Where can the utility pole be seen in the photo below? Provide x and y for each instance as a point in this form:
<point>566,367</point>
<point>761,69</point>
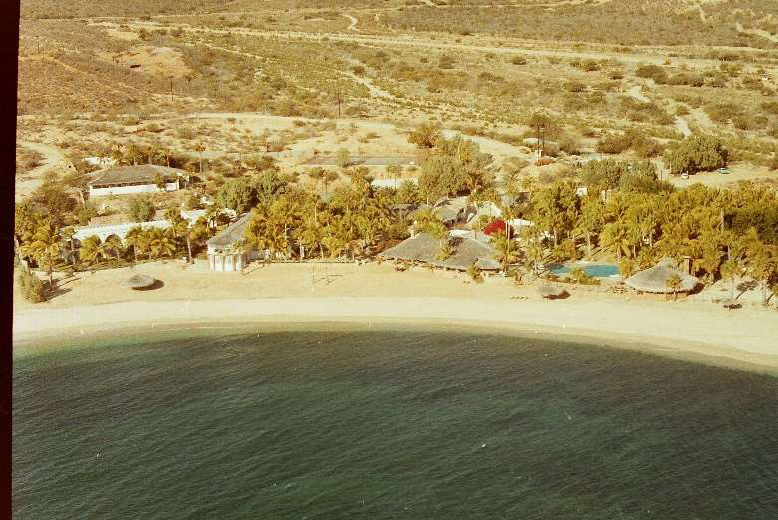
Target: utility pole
<point>171,89</point>
<point>338,104</point>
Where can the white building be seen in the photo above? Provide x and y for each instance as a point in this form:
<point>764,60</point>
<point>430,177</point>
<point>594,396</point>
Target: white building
<point>226,251</point>
<point>123,180</point>
<point>121,230</point>
<point>102,162</point>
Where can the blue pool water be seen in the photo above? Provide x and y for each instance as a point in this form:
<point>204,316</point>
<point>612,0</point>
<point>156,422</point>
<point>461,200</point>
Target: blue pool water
<point>596,270</point>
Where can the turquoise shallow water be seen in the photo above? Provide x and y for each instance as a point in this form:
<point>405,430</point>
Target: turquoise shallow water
<point>386,424</point>
<point>596,270</point>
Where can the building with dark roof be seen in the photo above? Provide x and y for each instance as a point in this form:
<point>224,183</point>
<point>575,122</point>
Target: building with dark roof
<point>124,180</point>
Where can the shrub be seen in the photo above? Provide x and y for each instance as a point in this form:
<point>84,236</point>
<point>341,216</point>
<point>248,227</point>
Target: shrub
<point>141,208</point>
<point>32,288</point>
<point>696,153</point>
<point>519,60</point>
<point>343,157</point>
<point>475,274</point>
<point>655,72</point>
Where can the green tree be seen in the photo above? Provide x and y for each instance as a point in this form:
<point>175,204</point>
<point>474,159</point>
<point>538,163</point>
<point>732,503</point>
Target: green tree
<point>696,153</point>
<point>141,208</point>
<point>239,195</point>
<point>91,251</point>
<point>45,247</point>
<point>425,136</point>
<point>505,250</point>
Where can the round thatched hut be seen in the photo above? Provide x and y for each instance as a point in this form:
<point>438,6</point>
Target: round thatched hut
<point>654,280</point>
<point>551,291</point>
<point>139,281</point>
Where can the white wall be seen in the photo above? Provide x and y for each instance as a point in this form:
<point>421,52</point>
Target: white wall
<point>128,190</point>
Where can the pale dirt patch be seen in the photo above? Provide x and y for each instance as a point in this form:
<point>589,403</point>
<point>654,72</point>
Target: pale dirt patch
<point>122,35</point>
<point>151,60</point>
<point>737,172</point>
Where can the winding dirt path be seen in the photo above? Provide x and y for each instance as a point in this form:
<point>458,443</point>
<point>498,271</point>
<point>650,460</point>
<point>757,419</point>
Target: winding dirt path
<point>756,32</point>
<point>411,41</point>
<point>354,22</point>
<point>53,159</point>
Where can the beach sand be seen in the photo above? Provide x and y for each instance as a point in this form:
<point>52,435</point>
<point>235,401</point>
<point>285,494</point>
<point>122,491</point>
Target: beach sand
<point>377,295</point>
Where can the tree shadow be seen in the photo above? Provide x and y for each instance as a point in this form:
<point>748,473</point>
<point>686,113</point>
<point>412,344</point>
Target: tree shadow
<point>749,285</point>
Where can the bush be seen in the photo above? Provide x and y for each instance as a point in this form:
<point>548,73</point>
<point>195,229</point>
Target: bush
<point>519,60</point>
<point>32,288</point>
<point>475,274</point>
<point>696,153</point>
<point>655,72</point>
<point>141,208</point>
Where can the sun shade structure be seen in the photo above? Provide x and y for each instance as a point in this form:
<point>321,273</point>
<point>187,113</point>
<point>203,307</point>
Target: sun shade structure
<point>139,281</point>
<point>424,248</point>
<point>551,291</point>
<point>654,280</point>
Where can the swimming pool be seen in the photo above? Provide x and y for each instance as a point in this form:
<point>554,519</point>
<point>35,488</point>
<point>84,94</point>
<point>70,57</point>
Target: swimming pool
<point>596,270</point>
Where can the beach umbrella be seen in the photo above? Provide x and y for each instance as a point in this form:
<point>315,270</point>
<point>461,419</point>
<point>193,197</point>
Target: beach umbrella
<point>654,280</point>
<point>551,291</point>
<point>139,281</point>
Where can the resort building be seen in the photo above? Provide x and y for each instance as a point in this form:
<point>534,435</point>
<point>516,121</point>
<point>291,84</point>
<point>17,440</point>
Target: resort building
<point>226,251</point>
<point>123,180</point>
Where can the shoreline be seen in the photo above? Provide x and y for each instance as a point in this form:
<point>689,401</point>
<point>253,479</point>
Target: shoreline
<point>744,344</point>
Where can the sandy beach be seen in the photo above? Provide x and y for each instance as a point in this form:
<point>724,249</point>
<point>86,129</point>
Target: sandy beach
<point>376,294</point>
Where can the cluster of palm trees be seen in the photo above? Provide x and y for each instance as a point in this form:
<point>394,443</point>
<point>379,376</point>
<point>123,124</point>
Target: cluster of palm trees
<point>40,240</point>
<point>355,218</point>
<point>724,232</point>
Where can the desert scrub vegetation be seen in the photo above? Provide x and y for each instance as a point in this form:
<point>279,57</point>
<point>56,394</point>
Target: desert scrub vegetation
<point>660,23</point>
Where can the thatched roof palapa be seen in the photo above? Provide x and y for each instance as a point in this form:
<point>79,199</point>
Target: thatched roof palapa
<point>424,248</point>
<point>654,280</point>
<point>230,235</point>
<point>551,291</point>
<point>139,281</point>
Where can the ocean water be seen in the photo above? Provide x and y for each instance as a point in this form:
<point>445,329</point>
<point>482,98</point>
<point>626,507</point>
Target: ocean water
<point>384,424</point>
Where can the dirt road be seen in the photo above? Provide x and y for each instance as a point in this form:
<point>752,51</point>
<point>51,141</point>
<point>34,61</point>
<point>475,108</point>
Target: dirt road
<point>53,159</point>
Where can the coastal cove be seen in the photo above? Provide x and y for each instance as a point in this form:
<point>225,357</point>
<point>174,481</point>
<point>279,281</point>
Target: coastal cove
<point>331,420</point>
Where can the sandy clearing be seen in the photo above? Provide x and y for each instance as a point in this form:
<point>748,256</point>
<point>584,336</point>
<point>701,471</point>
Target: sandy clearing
<point>737,172</point>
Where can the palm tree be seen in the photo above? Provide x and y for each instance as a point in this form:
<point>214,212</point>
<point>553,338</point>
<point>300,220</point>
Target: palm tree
<point>506,251</point>
<point>730,270</point>
<point>161,244</point>
<point>762,267</point>
<point>114,243</point>
<point>615,237</point>
<point>200,148</point>
<point>67,235</point>
<point>591,220</point>
<point>91,250</point>
<point>45,247</point>
<point>674,283</point>
<point>138,240</point>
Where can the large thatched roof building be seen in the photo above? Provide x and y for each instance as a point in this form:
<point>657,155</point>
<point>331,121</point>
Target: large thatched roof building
<point>424,248</point>
<point>654,280</point>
